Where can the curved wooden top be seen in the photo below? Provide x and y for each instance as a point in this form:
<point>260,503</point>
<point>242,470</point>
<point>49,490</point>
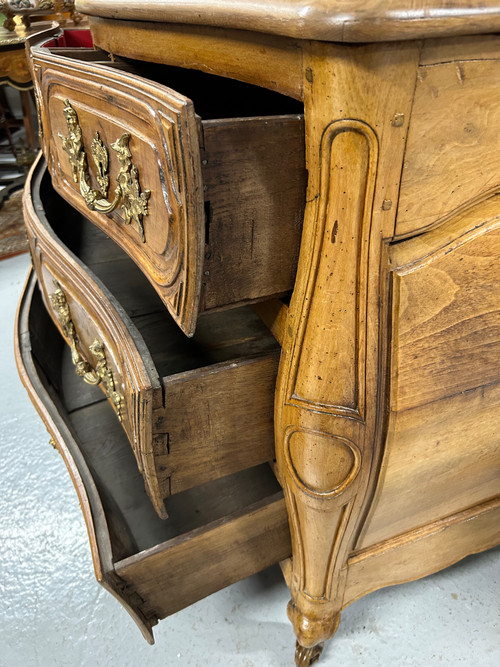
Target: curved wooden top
<point>330,20</point>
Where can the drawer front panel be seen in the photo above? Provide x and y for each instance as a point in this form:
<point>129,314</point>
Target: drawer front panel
<point>106,349</point>
<point>124,151</point>
<point>210,209</point>
<point>96,336</point>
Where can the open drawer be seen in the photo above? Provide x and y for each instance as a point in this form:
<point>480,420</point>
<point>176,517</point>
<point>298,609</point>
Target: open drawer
<point>194,410</point>
<point>203,186</point>
<point>216,534</point>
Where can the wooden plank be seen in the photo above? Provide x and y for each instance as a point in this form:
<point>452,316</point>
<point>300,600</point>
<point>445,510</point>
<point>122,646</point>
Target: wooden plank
<point>273,313</point>
<point>446,319</point>
<point>424,551</point>
<point>450,166</point>
<point>173,576</point>
<point>219,420</point>
<point>255,181</point>
<point>486,47</point>
<point>259,59</point>
<point>218,499</point>
<point>219,337</point>
<point>438,459</point>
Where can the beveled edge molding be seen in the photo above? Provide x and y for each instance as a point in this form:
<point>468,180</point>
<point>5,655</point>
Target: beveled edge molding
<point>417,252</point>
<point>365,189</point>
<point>315,19</point>
<point>464,209</point>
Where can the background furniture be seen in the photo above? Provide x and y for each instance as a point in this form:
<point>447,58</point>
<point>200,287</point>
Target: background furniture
<point>14,72</point>
<point>390,341</point>
<point>28,10</point>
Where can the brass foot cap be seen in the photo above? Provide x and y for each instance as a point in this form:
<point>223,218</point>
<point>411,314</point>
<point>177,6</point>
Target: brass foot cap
<point>307,656</point>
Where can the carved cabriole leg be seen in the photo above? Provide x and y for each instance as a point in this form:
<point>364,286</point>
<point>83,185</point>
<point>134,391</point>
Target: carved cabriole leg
<point>330,396</point>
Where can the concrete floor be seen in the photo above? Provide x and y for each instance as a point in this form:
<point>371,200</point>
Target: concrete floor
<point>54,614</point>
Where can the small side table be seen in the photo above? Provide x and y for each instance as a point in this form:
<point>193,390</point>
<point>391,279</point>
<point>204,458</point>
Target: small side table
<point>14,72</point>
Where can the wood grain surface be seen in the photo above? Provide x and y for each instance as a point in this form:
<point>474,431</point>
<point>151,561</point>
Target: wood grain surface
<point>179,573</point>
<point>422,552</point>
<point>449,167</point>
<point>255,181</point>
<point>439,459</point>
<point>446,313</point>
<point>331,20</point>
<point>245,56</point>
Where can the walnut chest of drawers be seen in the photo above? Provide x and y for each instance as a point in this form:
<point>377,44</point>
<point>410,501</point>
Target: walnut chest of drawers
<point>267,242</point>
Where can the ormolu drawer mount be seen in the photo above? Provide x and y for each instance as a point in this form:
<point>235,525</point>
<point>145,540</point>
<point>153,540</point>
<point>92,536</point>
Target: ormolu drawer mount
<point>127,194</point>
<point>102,372</point>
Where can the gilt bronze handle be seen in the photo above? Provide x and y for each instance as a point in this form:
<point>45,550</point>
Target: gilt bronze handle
<point>102,373</point>
<point>127,193</point>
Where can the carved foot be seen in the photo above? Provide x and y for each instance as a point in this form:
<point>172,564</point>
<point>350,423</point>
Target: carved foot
<point>306,656</point>
<point>312,629</point>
